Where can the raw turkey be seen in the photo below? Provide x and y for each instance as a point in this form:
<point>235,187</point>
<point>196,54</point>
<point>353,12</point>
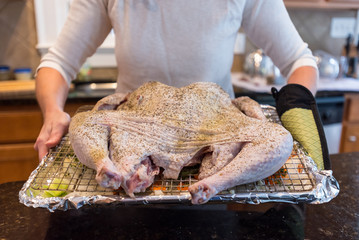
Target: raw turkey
<point>128,138</point>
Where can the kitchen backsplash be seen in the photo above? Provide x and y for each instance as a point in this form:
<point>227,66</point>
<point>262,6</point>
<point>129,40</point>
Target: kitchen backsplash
<point>314,27</point>
<point>18,32</point>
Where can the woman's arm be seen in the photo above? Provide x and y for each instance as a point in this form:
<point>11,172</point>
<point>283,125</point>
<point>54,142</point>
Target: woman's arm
<point>85,29</point>
<point>269,27</point>
<point>305,76</point>
<point>51,98</point>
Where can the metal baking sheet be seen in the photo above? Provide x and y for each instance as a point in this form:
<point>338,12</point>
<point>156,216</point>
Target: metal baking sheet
<point>62,182</point>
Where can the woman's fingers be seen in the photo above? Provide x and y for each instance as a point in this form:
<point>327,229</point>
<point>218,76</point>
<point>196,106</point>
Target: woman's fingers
<point>51,133</point>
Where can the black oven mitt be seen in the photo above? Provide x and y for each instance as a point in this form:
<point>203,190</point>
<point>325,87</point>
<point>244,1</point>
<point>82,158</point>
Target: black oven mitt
<point>298,111</point>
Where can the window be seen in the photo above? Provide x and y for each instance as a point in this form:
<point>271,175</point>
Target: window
<point>50,17</point>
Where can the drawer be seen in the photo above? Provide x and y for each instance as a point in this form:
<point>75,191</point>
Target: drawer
<point>20,126</point>
<point>17,161</point>
<point>350,138</point>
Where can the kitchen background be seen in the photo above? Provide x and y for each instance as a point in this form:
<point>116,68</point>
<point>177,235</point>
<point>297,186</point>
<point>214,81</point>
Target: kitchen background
<point>18,35</point>
<point>23,42</point>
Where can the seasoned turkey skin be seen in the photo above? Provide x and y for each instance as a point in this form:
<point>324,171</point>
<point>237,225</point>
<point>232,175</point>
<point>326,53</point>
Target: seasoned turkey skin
<point>127,138</point>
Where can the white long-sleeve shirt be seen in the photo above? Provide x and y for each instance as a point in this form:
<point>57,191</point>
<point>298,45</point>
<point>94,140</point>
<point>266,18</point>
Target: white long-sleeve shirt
<point>176,42</point>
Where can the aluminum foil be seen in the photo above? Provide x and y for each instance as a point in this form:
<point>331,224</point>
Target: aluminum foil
<point>61,182</point>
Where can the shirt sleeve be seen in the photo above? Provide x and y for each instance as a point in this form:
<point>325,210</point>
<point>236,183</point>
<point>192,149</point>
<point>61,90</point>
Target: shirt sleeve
<point>86,27</point>
<point>268,25</point>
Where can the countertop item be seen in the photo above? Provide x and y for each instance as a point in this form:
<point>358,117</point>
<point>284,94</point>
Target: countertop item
<point>328,66</point>
<point>23,73</point>
<point>245,82</point>
<point>258,64</point>
<point>337,219</point>
<point>4,72</point>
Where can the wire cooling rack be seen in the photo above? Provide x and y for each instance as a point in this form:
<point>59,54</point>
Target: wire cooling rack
<point>62,173</point>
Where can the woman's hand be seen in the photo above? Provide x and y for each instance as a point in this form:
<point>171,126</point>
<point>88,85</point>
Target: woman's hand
<point>55,126</point>
<point>51,94</point>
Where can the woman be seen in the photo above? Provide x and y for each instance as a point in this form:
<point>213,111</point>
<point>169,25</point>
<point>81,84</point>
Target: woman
<point>174,42</point>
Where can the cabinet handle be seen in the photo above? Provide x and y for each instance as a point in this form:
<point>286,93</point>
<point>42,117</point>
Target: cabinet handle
<point>352,138</point>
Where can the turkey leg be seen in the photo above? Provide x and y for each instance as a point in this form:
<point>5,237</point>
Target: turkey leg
<point>259,158</point>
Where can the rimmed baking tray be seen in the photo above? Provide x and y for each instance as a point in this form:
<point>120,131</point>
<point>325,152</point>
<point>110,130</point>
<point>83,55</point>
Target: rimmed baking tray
<point>62,182</point>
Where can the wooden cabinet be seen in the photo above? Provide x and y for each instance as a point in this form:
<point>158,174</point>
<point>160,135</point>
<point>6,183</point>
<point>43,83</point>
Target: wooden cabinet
<point>17,161</point>
<point>343,1</point>
<point>323,4</point>
<point>350,133</point>
<point>19,126</point>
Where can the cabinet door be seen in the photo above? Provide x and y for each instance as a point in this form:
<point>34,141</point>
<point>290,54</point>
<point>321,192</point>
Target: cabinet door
<point>24,125</point>
<point>350,138</point>
<point>19,126</point>
<point>352,108</point>
<point>350,134</point>
<point>17,161</point>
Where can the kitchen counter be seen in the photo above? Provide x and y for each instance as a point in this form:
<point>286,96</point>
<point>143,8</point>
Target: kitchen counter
<point>337,219</point>
<point>20,93</point>
<point>25,90</point>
